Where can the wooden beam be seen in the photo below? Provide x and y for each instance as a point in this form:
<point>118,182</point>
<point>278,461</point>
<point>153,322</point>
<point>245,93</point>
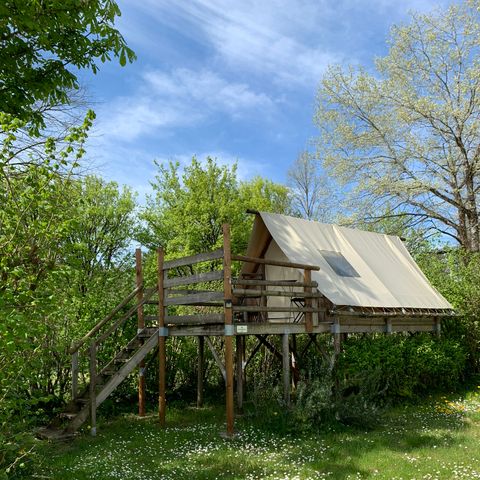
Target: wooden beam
<point>162,353</point>
<point>193,259</point>
<point>274,283</point>
<point>286,369</point>
<point>250,292</point>
<point>147,294</point>
<point>92,397</point>
<point>207,318</point>
<point>216,357</point>
<point>196,299</point>
<point>253,352</point>
<point>240,364</point>
<point>141,326</point>
<point>227,289</point>
<point>193,279</point>
<point>200,370</point>
<point>307,278</point>
<point>260,308</point>
<point>77,345</point>
<point>277,263</point>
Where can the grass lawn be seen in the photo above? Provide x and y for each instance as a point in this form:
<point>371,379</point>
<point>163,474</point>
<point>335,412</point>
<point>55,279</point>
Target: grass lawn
<point>438,440</point>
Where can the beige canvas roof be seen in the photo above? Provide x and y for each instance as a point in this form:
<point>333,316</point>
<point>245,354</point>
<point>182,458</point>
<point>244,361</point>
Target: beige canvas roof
<point>357,268</point>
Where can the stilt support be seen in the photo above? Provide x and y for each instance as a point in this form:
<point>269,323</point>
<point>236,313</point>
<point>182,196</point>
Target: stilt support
<point>93,397</point>
<point>286,369</point>
<point>141,325</point>
<point>240,364</point>
<point>200,370</point>
<point>161,339</point>
<point>229,328</point>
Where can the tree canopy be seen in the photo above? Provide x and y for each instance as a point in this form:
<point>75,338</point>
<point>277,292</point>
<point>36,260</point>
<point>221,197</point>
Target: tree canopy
<point>42,44</point>
<point>406,135</point>
<point>186,212</point>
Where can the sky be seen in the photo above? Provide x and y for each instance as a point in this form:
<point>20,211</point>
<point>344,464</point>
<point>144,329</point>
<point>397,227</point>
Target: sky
<point>235,80</point>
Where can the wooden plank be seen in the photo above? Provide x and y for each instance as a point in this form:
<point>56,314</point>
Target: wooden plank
<point>216,357</point>
<point>200,370</point>
<point>274,283</point>
<point>286,369</point>
<point>162,353</point>
<point>92,397</point>
<point>307,278</point>
<point>124,318</point>
<point>252,329</point>
<point>193,259</point>
<point>239,366</point>
<point>128,368</point>
<point>140,326</point>
<point>196,299</point>
<point>77,345</point>
<point>277,263</point>
<point>199,319</point>
<point>250,292</point>
<point>227,290</point>
<point>192,279</point>
<point>259,308</point>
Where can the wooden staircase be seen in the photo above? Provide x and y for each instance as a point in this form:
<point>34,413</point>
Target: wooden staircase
<point>103,380</point>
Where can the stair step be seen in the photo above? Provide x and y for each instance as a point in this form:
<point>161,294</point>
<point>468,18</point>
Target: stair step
<point>121,360</point>
<point>53,434</point>
<point>68,415</point>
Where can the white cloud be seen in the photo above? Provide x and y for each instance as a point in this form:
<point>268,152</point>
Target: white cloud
<point>262,37</point>
<point>291,43</point>
<point>167,100</point>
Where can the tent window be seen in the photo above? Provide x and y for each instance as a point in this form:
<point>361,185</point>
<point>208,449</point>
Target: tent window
<point>339,264</point>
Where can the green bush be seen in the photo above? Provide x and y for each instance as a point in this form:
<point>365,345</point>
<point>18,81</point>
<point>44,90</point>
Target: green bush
<point>406,365</point>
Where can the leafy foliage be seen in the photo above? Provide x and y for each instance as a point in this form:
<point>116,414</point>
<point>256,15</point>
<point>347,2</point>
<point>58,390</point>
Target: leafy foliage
<point>43,43</point>
<point>406,134</point>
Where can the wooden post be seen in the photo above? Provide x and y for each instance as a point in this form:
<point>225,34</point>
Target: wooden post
<point>93,397</point>
<point>337,336</point>
<point>200,370</point>
<point>438,326</point>
<point>141,326</point>
<point>240,362</point>
<point>295,358</point>
<point>388,326</point>
<point>75,375</point>
<point>286,369</point>
<point>229,328</point>
<point>307,278</point>
<point>162,360</point>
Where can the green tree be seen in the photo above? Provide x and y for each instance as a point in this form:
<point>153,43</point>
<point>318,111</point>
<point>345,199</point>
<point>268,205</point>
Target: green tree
<point>187,211</point>
<point>42,44</point>
<point>406,135</point>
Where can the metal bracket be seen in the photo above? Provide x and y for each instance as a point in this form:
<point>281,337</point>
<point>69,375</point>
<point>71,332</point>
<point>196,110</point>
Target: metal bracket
<point>229,330</point>
<point>141,371</point>
<point>163,332</point>
<point>227,303</point>
<point>139,330</point>
<point>336,328</point>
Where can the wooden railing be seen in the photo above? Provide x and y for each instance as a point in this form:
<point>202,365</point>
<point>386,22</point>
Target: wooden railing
<point>103,330</point>
<point>306,295</point>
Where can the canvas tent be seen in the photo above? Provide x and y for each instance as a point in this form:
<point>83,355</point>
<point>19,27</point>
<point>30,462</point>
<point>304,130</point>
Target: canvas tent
<point>358,269</point>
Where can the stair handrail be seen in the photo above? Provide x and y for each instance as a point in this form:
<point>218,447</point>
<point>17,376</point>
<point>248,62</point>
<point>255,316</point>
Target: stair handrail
<point>79,344</point>
<point>147,295</point>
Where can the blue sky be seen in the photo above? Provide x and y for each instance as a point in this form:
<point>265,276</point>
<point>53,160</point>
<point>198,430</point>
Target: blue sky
<point>235,80</point>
